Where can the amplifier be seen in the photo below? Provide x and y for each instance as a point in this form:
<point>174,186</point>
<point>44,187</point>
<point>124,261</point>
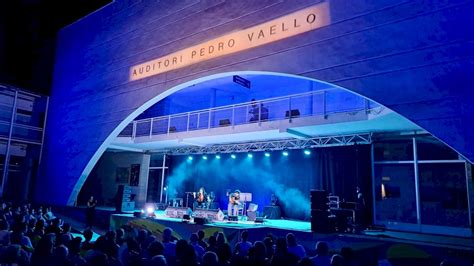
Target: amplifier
<point>177,212</point>
<point>210,215</point>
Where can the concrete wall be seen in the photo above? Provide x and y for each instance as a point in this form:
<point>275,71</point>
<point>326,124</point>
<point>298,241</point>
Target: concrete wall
<point>415,57</point>
<point>102,179</point>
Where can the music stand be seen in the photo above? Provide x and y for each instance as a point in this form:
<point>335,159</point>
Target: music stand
<point>245,197</point>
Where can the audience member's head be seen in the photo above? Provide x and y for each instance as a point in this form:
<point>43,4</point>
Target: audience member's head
<point>194,238</point>
<point>155,248</point>
<point>259,249</point>
<point>322,248</point>
<point>66,228</point>
<point>220,239</point>
<point>167,235</point>
<point>159,260</point>
<point>212,241</point>
<point>291,240</point>
<point>201,234</point>
<point>210,259</point>
<point>244,235</point>
<point>87,235</point>
<point>337,260</point>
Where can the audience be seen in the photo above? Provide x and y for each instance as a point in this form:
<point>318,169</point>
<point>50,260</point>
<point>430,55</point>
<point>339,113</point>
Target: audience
<point>37,237</point>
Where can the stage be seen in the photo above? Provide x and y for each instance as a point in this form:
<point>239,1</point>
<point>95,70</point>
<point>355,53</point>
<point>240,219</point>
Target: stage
<point>366,244</point>
<point>232,229</point>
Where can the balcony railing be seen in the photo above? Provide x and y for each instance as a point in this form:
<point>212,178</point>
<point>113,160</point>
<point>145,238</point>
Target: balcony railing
<point>313,103</point>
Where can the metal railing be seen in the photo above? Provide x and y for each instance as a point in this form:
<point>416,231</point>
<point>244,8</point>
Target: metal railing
<point>322,102</point>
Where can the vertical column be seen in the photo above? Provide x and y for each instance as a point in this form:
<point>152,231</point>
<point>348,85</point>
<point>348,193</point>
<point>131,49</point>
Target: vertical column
<point>163,178</point>
<point>143,180</point>
<point>373,184</point>
<point>7,153</point>
<point>470,193</point>
<point>417,184</point>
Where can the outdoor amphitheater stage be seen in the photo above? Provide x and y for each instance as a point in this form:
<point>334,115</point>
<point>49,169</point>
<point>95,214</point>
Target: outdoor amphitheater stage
<point>231,229</point>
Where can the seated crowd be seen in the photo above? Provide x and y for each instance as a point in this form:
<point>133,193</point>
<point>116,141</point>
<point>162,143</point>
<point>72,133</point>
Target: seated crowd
<point>31,236</point>
<point>35,237</point>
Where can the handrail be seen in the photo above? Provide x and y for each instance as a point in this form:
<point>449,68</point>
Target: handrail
<point>257,111</point>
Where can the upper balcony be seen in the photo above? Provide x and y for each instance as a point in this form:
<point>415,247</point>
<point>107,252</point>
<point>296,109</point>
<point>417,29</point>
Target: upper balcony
<point>303,115</point>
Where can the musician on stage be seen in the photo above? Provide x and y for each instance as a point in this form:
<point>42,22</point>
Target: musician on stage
<point>201,198</point>
<point>234,203</point>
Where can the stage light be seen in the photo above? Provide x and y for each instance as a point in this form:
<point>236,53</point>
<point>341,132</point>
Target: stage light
<point>233,156</point>
<point>307,152</point>
<point>190,158</point>
<point>150,210</point>
<point>218,157</point>
<point>267,154</point>
<point>204,157</point>
<point>249,155</point>
<point>285,153</point>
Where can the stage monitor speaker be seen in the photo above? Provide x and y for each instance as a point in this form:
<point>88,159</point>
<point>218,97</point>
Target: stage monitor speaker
<point>272,212</point>
<point>252,216</point>
<point>319,200</point>
<point>178,212</point>
<point>321,222</point>
<point>137,214</point>
<point>211,215</point>
<point>292,113</point>
<point>199,220</point>
<point>259,220</point>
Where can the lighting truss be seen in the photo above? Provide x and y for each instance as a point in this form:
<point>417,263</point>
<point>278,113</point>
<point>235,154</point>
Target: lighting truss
<point>274,145</point>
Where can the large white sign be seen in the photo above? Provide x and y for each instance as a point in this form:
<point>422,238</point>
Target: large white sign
<point>290,25</point>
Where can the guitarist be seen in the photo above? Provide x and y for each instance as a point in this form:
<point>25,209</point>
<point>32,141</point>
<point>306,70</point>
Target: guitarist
<point>234,203</point>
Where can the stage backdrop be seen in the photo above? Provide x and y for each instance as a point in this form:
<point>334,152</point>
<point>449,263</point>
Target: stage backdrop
<point>415,57</point>
<point>338,170</point>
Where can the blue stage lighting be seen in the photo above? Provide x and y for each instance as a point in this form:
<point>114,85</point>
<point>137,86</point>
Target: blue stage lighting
<point>190,158</point>
<point>233,156</point>
<point>249,155</point>
<point>204,157</point>
<point>307,152</point>
<point>267,154</point>
<point>218,157</point>
<point>285,153</point>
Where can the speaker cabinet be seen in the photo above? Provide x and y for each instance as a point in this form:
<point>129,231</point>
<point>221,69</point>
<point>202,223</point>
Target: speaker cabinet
<point>199,220</point>
<point>319,200</point>
<point>211,215</point>
<point>177,212</point>
<point>322,222</point>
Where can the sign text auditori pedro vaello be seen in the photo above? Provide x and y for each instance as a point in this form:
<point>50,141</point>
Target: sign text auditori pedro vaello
<point>290,25</point>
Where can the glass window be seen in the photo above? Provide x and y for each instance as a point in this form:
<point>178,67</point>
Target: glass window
<point>443,194</point>
<point>394,150</point>
<point>429,148</point>
<point>154,186</point>
<point>395,193</point>
<point>156,160</point>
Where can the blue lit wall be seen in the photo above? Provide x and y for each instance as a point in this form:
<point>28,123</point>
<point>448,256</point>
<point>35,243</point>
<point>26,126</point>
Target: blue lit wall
<point>415,57</point>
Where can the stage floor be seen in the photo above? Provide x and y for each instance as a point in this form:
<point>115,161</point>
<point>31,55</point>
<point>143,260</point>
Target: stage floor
<point>295,225</point>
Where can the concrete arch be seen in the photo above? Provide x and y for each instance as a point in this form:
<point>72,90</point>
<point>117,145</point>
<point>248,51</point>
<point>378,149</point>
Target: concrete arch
<point>103,147</point>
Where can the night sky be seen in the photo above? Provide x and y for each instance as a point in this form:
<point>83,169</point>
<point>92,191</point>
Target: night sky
<point>28,35</point>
